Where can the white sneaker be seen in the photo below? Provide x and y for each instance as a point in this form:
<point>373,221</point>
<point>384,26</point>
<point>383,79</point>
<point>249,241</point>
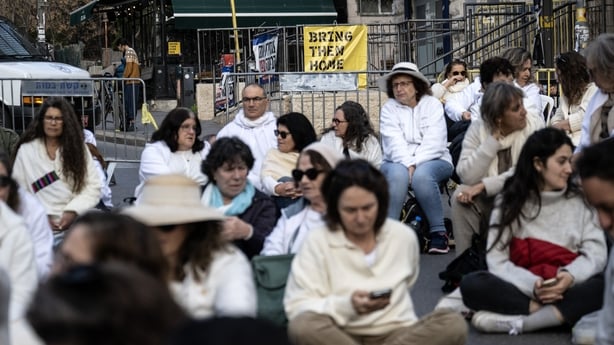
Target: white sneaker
<point>453,301</point>
<point>489,322</point>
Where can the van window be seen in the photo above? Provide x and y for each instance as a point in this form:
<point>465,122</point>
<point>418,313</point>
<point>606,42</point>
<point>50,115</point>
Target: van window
<point>13,45</point>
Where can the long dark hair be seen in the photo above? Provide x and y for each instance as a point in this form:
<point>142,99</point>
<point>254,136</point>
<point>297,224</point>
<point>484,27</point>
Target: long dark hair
<point>526,184</point>
<point>72,146</point>
<point>169,129</point>
<point>300,128</point>
<point>202,242</point>
<point>573,76</point>
<point>359,125</point>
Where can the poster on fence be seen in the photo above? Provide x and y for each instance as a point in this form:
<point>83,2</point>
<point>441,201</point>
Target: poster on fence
<point>265,53</point>
<point>336,48</point>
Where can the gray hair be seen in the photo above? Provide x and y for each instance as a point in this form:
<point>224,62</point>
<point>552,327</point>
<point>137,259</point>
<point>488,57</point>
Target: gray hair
<point>600,55</point>
<point>497,97</point>
<point>517,57</point>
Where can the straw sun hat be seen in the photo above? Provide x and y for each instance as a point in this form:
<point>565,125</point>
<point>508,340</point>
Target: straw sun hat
<point>169,200</point>
<point>402,68</point>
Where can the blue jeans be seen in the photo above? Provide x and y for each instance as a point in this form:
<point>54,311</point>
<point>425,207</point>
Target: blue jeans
<point>425,184</point>
<point>131,97</point>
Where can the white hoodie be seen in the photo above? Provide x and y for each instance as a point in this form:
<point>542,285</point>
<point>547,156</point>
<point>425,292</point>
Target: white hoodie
<point>257,134</point>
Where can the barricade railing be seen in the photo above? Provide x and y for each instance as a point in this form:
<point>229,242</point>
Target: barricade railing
<point>98,102</point>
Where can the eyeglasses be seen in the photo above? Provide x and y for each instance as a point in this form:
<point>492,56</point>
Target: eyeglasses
<point>166,228</point>
<point>5,181</point>
<point>311,173</point>
<point>463,73</point>
<point>282,134</point>
<point>404,83</point>
<point>337,122</point>
<point>186,128</point>
<point>253,99</point>
<point>52,119</point>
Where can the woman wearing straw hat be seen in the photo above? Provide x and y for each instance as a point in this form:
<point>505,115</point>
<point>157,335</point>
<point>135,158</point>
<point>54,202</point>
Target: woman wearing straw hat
<point>208,276</point>
<point>414,141</point>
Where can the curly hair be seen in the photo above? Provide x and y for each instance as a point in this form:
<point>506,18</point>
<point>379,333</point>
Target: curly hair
<point>118,237</point>
<point>349,173</point>
<point>359,125</point>
<point>227,150</point>
<point>72,147</point>
<point>300,128</point>
<point>572,75</point>
<point>517,57</point>
<point>493,67</point>
<point>168,131</point>
<point>497,98</point>
<point>202,241</point>
<point>13,199</point>
<point>527,183</point>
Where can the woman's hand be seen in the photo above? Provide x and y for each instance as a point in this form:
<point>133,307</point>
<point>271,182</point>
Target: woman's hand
<point>365,305</point>
<point>467,194</point>
<point>564,125</point>
<point>411,170</point>
<point>236,229</point>
<point>287,189</point>
<point>551,294</point>
<point>62,223</point>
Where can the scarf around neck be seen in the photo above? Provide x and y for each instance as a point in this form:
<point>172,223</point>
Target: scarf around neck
<point>237,206</point>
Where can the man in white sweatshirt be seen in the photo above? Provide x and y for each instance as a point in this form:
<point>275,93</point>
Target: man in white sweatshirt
<point>255,126</point>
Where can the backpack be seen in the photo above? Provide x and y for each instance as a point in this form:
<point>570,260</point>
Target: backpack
<point>410,210</point>
<point>471,260</point>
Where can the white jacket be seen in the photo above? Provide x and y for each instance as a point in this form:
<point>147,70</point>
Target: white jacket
<point>227,289</point>
<point>371,150</point>
<point>574,113</point>
<point>411,136</point>
<point>33,162</point>
<point>17,259</point>
<point>258,135</point>
<point>591,125</point>
<point>157,159</point>
<point>35,216</point>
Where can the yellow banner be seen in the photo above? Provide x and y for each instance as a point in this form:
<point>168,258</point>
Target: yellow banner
<point>336,48</point>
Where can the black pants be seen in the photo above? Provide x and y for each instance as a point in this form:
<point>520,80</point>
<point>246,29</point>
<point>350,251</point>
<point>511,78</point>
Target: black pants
<point>483,290</point>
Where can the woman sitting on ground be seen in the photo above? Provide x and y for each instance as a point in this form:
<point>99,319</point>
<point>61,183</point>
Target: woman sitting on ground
<point>577,91</point>
<point>297,220</point>
<point>294,132</point>
<point>546,252</point>
<point>490,151</point>
<point>353,135</point>
<point>175,148</point>
<point>208,276</point>
<point>350,281</point>
<point>53,163</point>
<point>250,214</point>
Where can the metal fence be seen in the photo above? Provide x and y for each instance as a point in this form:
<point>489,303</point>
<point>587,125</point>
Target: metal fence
<point>98,102</point>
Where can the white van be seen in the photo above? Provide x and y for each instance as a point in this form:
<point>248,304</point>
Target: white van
<point>23,69</point>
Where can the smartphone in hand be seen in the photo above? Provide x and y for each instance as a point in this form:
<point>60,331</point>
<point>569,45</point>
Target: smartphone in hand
<point>384,293</point>
<point>550,282</point>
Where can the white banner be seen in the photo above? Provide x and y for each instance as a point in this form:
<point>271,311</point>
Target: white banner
<point>265,52</point>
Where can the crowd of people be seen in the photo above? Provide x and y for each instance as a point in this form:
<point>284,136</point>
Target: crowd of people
<point>538,190</point>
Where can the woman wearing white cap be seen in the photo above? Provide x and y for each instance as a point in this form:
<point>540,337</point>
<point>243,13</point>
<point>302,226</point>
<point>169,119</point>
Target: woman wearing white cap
<point>298,219</point>
<point>208,276</point>
<point>414,142</point>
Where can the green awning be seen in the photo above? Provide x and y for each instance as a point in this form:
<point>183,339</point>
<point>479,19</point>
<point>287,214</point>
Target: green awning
<point>202,14</point>
<point>82,13</point>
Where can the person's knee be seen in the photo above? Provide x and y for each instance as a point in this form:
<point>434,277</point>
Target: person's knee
<point>472,286</point>
<point>452,327</point>
<point>305,326</point>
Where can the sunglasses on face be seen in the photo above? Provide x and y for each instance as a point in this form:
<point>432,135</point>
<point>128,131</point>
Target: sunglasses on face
<point>281,134</point>
<point>311,173</point>
<point>463,73</point>
<point>5,181</point>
